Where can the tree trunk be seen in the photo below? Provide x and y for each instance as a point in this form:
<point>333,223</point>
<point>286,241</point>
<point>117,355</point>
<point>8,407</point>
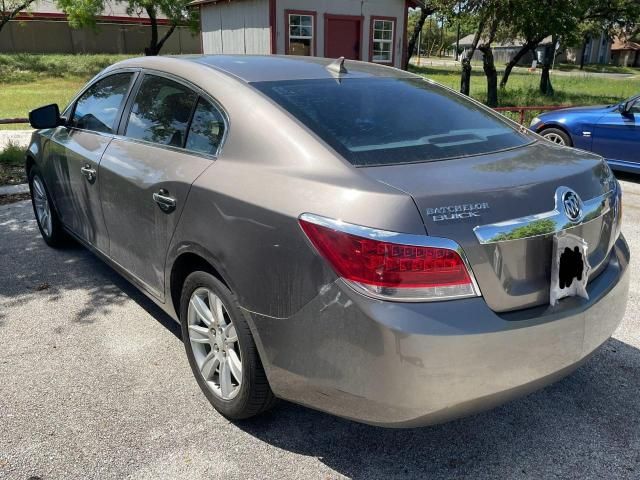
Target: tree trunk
<point>411,47</point>
<point>489,66</point>
<point>585,41</point>
<point>529,46</point>
<point>545,79</point>
<point>491,73</point>
<point>152,49</point>
<point>465,75</point>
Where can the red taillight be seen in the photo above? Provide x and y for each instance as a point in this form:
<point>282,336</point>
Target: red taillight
<point>391,269</point>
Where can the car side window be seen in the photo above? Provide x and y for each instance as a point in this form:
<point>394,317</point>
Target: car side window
<point>161,111</point>
<point>207,129</point>
<point>98,107</point>
<point>636,107</point>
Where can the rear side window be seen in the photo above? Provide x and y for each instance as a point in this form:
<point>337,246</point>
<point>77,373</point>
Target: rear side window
<point>207,129</point>
<point>97,108</point>
<point>161,111</point>
<point>385,121</point>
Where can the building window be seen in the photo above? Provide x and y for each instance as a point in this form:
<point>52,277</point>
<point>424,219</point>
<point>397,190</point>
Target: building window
<point>300,33</point>
<point>382,39</point>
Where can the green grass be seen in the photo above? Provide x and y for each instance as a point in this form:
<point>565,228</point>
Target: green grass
<point>595,68</point>
<point>12,165</point>
<point>522,88</point>
<point>12,156</point>
<point>29,81</point>
<point>26,67</point>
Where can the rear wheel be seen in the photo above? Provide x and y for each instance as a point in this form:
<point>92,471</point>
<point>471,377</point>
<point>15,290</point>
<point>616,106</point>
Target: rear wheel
<point>221,350</point>
<point>557,136</point>
<point>48,222</point>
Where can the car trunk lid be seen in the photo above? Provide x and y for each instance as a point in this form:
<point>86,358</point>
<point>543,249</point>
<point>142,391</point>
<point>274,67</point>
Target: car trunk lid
<point>459,198</point>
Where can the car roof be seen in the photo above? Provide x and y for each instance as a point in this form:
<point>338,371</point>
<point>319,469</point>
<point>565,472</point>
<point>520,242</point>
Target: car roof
<point>262,68</point>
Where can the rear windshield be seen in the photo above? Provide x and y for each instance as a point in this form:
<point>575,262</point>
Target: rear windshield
<point>385,121</point>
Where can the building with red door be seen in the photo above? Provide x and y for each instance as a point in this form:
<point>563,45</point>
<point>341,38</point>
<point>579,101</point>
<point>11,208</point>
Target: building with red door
<point>370,30</point>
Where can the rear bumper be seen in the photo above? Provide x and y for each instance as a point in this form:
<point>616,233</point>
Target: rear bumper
<point>405,365</point>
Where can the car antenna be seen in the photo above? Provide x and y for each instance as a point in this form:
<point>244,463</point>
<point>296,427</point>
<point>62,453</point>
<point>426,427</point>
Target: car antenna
<point>337,66</point>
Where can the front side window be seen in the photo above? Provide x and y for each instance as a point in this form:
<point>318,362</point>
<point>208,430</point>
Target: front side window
<point>384,121</point>
<point>161,111</point>
<point>301,31</point>
<point>97,109</point>
<point>207,129</point>
<point>383,35</point>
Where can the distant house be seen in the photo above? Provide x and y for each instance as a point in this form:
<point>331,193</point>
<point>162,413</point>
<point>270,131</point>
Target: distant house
<point>43,28</point>
<point>597,50</point>
<point>625,54</point>
<point>372,30</point>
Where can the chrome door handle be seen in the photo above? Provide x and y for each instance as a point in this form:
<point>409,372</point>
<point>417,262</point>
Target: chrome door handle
<point>89,173</point>
<point>164,201</point>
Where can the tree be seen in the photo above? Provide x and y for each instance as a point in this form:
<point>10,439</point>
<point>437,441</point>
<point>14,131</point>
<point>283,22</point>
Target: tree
<point>83,13</point>
<point>568,21</point>
<point>9,9</point>
<point>425,11</point>
<point>488,64</point>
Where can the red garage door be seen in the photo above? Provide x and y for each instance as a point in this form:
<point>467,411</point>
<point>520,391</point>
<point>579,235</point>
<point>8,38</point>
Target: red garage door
<point>343,36</point>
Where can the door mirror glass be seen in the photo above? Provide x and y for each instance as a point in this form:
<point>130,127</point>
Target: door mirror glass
<point>45,117</point>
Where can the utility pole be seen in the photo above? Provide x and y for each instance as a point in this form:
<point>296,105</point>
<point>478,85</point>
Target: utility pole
<point>441,34</point>
<point>458,35</point>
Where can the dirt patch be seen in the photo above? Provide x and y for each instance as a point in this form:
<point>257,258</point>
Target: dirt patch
<point>18,197</point>
<point>12,174</point>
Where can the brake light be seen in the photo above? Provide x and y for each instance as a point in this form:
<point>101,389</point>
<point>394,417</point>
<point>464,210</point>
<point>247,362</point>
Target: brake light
<point>391,265</point>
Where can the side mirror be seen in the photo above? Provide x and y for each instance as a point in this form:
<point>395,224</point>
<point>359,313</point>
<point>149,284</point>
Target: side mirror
<point>627,108</point>
<point>46,117</point>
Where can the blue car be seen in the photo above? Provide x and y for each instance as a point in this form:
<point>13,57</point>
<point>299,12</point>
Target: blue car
<point>612,131</point>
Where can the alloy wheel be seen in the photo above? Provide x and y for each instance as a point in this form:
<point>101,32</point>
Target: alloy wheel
<point>41,202</point>
<point>214,342</point>
<point>555,138</point>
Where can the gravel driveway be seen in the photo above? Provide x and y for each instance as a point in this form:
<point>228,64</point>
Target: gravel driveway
<point>94,383</point>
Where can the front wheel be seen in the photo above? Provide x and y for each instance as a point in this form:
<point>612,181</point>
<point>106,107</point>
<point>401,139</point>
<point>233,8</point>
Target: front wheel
<point>221,350</point>
<point>557,136</point>
<point>48,222</point>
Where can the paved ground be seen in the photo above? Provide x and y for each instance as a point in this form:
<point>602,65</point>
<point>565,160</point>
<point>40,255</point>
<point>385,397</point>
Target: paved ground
<point>94,384</point>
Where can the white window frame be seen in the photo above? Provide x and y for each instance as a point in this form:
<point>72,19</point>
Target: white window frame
<point>389,42</point>
<point>302,37</point>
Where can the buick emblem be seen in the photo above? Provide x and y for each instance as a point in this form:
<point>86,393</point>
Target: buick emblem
<point>572,205</point>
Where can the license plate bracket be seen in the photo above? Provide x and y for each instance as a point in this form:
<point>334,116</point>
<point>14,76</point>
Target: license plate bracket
<point>569,268</point>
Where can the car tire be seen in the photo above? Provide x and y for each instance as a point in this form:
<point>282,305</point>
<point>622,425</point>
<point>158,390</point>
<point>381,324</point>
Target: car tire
<point>47,218</point>
<point>212,353</point>
<point>557,136</point>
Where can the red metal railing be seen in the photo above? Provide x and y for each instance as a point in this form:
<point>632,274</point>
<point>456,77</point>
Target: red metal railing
<point>6,121</point>
<point>522,110</point>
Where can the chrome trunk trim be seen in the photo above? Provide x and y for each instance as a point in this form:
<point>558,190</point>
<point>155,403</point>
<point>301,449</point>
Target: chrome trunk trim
<point>546,223</point>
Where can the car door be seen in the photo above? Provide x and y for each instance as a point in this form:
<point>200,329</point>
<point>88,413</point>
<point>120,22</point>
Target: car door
<point>617,135</point>
<point>75,151</point>
<point>170,135</point>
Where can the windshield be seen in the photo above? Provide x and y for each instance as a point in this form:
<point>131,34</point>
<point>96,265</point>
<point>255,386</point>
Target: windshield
<point>385,121</point>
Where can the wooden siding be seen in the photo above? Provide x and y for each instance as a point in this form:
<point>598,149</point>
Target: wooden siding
<point>236,27</point>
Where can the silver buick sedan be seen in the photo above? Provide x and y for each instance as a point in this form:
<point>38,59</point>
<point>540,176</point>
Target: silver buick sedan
<point>342,235</point>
